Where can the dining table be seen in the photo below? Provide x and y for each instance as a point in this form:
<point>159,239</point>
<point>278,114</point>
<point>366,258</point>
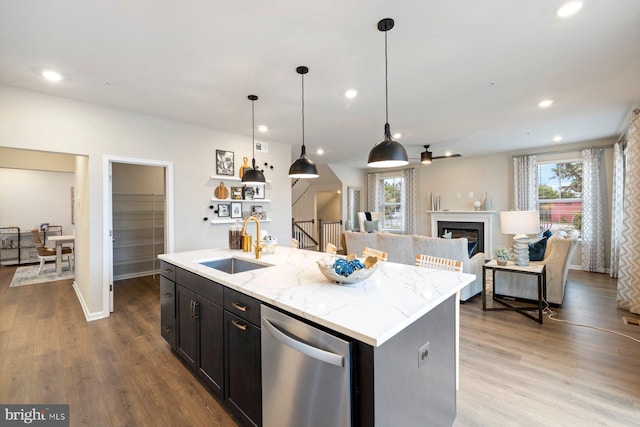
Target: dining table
<point>60,240</point>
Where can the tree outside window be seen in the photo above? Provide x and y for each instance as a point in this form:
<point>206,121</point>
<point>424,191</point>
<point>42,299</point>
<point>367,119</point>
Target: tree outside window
<point>392,202</point>
<point>560,195</point>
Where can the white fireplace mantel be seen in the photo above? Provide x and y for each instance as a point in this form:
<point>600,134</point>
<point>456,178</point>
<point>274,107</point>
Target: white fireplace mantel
<point>486,217</point>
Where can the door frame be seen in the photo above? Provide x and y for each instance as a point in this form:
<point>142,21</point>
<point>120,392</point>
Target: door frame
<point>107,233</point>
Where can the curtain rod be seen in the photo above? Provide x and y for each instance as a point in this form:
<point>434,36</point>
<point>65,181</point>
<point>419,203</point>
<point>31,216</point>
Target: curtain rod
<point>566,150</point>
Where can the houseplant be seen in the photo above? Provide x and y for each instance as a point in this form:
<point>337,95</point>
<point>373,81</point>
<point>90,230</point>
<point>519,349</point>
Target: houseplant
<point>503,254</point>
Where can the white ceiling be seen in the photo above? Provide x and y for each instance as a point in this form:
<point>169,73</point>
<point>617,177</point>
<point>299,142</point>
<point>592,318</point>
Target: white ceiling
<point>464,75</point>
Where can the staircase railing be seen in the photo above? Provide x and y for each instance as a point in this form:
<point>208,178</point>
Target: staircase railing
<point>330,232</point>
<point>302,231</point>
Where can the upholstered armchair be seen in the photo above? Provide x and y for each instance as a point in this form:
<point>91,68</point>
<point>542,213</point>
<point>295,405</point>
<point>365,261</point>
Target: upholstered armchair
<point>557,258</point>
<point>374,216</point>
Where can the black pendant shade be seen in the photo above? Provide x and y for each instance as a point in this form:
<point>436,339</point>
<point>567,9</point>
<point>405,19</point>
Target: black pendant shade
<point>388,153</point>
<point>304,166</point>
<point>253,175</point>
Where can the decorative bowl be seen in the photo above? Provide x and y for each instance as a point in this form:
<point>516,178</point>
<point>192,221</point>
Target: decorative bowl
<point>326,268</point>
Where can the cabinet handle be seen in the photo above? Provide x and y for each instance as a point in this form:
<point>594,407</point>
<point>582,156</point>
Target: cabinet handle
<point>239,325</point>
<point>196,310</point>
<point>239,306</point>
<point>167,270</point>
<point>168,295</point>
<point>167,328</point>
<point>191,310</point>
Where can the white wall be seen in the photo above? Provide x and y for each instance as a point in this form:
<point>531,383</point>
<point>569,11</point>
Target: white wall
<point>29,198</point>
<point>32,120</point>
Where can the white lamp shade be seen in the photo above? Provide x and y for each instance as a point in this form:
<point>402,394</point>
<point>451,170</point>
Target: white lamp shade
<point>519,222</point>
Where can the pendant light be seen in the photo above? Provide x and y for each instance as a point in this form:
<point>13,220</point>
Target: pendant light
<point>387,153</point>
<point>253,175</point>
<point>304,166</point>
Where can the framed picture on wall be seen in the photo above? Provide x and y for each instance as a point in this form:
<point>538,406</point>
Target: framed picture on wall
<point>224,162</point>
<point>258,212</point>
<point>257,191</point>
<point>236,209</point>
<point>224,210</point>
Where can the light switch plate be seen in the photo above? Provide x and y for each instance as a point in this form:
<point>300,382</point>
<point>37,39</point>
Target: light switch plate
<point>423,354</point>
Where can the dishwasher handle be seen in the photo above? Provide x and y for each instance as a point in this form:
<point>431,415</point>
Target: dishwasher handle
<point>316,353</point>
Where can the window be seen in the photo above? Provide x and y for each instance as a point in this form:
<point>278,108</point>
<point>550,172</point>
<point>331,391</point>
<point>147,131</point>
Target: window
<point>560,195</point>
<point>391,200</point>
<point>394,195</point>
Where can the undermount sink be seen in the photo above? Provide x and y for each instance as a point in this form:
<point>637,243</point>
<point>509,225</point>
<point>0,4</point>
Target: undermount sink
<point>232,265</point>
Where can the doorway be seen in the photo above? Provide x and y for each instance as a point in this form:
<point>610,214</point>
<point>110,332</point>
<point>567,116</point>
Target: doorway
<point>139,215</point>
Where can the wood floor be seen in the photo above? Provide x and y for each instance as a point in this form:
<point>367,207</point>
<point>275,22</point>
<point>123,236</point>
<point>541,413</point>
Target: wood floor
<point>119,372</point>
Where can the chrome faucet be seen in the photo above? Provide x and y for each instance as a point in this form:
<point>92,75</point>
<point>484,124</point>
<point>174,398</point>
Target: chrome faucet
<point>246,239</point>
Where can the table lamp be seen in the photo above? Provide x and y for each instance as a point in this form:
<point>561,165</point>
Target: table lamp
<point>520,223</point>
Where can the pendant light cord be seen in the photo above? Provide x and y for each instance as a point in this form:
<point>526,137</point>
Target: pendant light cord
<point>253,135</point>
<point>386,78</point>
<point>303,148</point>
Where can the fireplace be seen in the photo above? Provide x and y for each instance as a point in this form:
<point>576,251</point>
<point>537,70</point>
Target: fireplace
<point>466,224</point>
<point>473,231</point>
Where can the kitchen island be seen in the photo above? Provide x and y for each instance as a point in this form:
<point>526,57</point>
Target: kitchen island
<point>401,322</point>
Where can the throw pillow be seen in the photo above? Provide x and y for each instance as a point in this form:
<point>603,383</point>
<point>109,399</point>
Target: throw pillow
<point>536,250</point>
<point>371,226</point>
<point>446,235</point>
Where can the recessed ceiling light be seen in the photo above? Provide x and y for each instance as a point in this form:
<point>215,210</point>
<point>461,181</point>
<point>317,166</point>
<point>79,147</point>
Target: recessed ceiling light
<point>52,76</point>
<point>320,151</point>
<point>545,103</point>
<point>397,135</point>
<point>568,9</point>
<point>262,128</point>
<point>557,138</point>
<point>351,93</point>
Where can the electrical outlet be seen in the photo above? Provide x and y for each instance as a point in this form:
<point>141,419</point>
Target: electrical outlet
<point>458,195</point>
<point>423,354</point>
<point>470,194</point>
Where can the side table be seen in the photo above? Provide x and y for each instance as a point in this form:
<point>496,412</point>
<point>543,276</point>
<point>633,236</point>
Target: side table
<point>533,269</point>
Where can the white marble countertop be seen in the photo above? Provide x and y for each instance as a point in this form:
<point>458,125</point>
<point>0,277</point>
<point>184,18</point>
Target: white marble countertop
<point>371,311</point>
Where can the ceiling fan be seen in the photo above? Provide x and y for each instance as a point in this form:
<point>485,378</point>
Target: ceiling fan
<point>427,156</point>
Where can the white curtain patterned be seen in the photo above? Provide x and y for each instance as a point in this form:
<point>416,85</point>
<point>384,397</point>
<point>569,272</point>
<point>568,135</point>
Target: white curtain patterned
<point>617,213</point>
<point>629,265</point>
<point>593,187</point>
<point>410,201</point>
<point>373,192</point>
<point>525,183</point>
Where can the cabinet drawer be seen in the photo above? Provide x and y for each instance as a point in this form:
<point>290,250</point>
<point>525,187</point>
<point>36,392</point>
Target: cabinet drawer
<point>204,287</point>
<point>168,311</point>
<point>243,306</point>
<point>168,270</point>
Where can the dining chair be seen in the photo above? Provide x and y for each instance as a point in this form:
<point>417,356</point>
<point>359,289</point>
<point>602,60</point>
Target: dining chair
<point>46,254</point>
<point>429,261</point>
<point>382,256</point>
<point>438,263</point>
<point>330,248</point>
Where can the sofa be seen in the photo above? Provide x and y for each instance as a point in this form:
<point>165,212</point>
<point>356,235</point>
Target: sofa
<point>404,248</point>
<point>557,257</point>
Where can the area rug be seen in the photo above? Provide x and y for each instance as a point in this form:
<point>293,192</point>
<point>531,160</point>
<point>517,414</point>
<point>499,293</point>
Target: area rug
<point>27,275</point>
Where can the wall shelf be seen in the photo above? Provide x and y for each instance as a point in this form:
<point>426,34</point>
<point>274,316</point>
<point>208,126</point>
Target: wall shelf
<point>256,201</point>
<point>227,178</point>
<point>233,220</point>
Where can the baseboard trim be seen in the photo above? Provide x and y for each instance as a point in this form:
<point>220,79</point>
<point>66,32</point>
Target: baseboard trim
<point>87,314</point>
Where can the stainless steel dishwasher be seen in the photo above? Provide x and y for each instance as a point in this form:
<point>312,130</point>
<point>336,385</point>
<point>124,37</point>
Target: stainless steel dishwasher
<point>306,374</point>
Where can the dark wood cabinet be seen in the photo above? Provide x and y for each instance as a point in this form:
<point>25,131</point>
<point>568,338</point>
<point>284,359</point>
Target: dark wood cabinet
<point>168,311</point>
<point>216,332</point>
<point>168,303</point>
<point>243,391</point>
<point>200,328</point>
